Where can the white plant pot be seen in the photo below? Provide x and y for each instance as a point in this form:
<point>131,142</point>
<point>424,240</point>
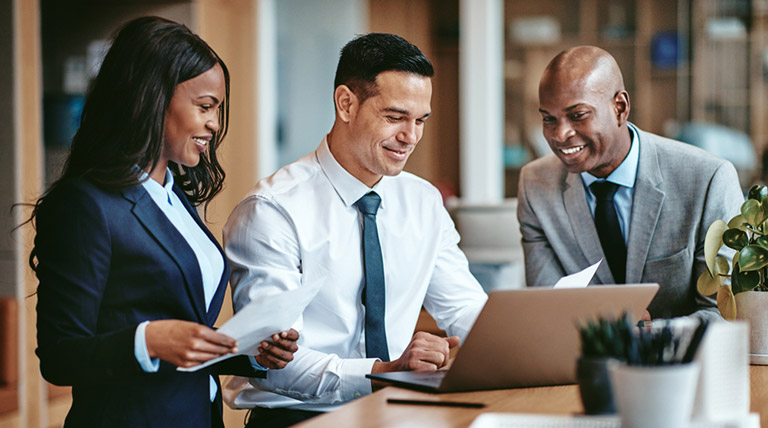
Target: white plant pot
<point>658,397</point>
<point>753,307</point>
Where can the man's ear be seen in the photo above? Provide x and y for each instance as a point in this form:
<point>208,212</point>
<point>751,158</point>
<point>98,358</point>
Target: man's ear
<point>621,107</point>
<point>346,103</point>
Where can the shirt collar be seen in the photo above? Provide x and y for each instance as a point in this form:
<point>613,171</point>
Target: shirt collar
<point>626,173</point>
<point>159,192</point>
<point>349,188</point>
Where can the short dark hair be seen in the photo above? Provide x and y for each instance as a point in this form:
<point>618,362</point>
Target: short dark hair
<point>368,55</point>
<point>123,119</point>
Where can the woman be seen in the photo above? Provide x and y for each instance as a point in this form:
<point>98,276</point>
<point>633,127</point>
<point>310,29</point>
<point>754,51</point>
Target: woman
<point>130,279</point>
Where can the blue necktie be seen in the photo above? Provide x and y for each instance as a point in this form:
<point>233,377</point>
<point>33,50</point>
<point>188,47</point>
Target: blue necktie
<point>373,292</point>
<point>609,230</point>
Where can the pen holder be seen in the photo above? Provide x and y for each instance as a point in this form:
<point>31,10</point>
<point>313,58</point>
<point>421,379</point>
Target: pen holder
<point>654,396</point>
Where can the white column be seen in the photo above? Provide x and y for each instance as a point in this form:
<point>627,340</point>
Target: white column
<point>266,105</point>
<point>481,110</point>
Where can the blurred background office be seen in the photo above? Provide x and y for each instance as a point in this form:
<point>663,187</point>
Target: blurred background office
<point>696,70</point>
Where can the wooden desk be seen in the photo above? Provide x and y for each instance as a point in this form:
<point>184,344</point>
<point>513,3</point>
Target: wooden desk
<point>373,411</point>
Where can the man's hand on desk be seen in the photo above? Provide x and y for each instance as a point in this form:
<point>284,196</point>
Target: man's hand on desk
<point>426,352</point>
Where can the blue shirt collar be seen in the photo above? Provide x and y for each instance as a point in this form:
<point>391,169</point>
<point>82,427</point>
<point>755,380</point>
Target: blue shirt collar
<point>626,173</point>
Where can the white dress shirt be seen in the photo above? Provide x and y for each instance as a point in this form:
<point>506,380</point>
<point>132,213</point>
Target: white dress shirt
<point>300,227</point>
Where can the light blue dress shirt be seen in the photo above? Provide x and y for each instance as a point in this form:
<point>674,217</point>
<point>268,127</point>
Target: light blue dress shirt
<point>624,175</point>
<point>208,257</point>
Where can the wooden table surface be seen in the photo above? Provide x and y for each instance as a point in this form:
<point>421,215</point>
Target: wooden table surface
<point>373,411</point>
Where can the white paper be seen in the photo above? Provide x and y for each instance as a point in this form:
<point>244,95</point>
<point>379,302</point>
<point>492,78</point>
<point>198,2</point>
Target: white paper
<point>509,420</point>
<point>260,319</point>
<point>723,390</point>
<point>579,279</point>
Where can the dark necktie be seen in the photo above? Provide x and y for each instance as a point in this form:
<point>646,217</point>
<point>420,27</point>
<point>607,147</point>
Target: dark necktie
<point>607,224</point>
<point>373,292</point>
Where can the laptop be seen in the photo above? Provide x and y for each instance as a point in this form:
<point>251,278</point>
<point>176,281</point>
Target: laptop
<point>527,337</point>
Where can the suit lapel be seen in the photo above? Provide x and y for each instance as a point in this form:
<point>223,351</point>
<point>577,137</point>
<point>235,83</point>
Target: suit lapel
<point>168,237</point>
<point>646,207</point>
<point>218,297</point>
<point>584,227</point>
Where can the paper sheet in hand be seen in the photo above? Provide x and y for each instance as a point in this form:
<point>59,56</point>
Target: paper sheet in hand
<point>260,319</point>
<point>579,279</point>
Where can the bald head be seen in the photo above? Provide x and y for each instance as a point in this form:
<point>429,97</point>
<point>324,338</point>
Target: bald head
<point>584,109</point>
<point>587,66</point>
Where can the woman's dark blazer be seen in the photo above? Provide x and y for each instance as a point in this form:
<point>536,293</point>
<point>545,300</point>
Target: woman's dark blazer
<point>106,262</point>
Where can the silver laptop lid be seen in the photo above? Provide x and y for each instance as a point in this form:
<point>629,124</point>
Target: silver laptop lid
<point>529,337</point>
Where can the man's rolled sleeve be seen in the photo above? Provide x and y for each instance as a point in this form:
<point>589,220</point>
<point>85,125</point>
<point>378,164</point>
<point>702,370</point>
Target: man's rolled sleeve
<point>354,384</point>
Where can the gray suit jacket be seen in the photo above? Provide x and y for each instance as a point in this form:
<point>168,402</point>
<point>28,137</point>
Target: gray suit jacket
<point>679,191</point>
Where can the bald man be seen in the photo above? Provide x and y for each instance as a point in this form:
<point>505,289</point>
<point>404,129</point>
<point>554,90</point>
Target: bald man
<point>664,195</point>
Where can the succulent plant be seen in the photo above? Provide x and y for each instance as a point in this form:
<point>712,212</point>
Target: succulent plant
<point>604,338</point>
<point>747,233</point>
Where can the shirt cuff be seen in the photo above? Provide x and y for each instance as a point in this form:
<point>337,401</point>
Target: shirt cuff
<point>212,388</point>
<point>149,365</point>
<point>256,365</point>
<point>354,384</point>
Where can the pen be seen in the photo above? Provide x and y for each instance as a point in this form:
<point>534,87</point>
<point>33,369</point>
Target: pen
<point>435,403</point>
<point>650,323</point>
<point>698,334</point>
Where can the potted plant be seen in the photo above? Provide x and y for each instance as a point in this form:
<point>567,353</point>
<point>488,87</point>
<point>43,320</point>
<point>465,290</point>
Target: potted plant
<point>745,296</point>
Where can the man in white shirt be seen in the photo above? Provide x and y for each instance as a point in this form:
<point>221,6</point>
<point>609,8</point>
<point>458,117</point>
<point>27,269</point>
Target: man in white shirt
<point>301,227</point>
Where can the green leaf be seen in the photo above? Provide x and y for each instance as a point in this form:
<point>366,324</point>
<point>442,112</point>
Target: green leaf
<point>707,284</point>
<point>738,222</point>
<point>753,257</point>
<point>712,243</point>
<point>735,238</point>
<point>762,241</point>
<point>721,266</point>
<point>758,192</point>
<point>726,303</point>
<point>764,207</point>
<point>744,281</point>
<point>753,211</point>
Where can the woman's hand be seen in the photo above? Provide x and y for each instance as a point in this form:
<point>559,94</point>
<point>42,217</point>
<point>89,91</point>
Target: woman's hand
<point>185,343</point>
<point>280,352</point>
